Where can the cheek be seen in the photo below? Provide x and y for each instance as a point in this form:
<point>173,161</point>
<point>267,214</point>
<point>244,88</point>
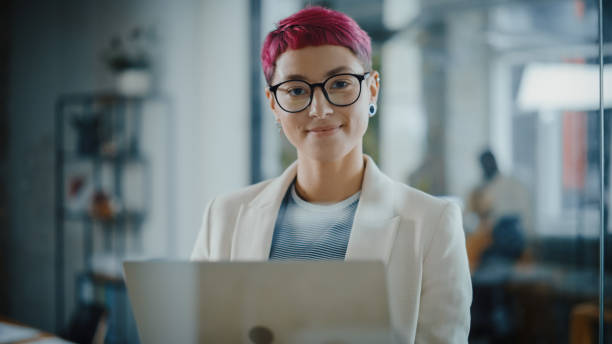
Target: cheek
<point>293,129</point>
<point>363,125</point>
<point>359,120</point>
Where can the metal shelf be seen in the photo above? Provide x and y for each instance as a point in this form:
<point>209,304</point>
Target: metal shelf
<point>129,215</point>
<point>74,157</point>
<point>111,119</point>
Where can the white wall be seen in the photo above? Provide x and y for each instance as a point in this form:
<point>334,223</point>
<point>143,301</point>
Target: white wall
<point>403,123</point>
<point>467,99</point>
<point>207,74</point>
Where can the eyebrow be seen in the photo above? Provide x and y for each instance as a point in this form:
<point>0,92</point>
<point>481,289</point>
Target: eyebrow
<point>337,70</point>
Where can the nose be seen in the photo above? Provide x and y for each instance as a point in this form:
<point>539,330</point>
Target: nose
<point>319,107</point>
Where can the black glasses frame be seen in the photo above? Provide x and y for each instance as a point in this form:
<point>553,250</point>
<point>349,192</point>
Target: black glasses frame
<point>359,77</point>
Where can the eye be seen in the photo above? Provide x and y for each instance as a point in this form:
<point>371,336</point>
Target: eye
<point>340,84</point>
<point>296,91</point>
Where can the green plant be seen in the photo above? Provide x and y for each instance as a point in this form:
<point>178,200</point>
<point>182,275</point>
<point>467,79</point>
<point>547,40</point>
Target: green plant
<point>130,52</point>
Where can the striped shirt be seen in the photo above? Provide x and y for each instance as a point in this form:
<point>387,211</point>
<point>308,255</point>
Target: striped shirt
<point>311,231</point>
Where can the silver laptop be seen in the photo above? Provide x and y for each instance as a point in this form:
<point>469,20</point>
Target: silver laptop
<point>259,302</point>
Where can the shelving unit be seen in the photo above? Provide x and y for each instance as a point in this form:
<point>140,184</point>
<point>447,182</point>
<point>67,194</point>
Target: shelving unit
<point>103,183</point>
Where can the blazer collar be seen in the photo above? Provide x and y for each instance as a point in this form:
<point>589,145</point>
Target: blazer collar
<point>374,226</point>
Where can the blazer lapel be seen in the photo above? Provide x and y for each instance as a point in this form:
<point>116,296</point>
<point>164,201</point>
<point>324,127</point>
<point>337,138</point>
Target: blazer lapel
<point>375,224</point>
<point>374,227</point>
<point>255,224</point>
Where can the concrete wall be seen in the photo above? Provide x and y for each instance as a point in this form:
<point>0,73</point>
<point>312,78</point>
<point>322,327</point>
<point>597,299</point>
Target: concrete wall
<point>5,36</point>
<point>35,80</point>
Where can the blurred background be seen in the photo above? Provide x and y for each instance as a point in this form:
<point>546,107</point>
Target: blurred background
<point>119,120</point>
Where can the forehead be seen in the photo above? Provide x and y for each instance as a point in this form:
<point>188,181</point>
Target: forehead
<point>314,63</point>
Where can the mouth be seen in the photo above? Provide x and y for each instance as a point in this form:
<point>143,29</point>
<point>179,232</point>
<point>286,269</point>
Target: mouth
<point>325,130</point>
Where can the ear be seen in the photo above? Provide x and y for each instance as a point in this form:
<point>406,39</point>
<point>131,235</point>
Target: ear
<point>272,103</point>
<point>374,86</point>
<point>271,100</point>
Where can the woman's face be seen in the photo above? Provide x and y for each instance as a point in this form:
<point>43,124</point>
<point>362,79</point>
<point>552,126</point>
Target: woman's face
<point>323,131</point>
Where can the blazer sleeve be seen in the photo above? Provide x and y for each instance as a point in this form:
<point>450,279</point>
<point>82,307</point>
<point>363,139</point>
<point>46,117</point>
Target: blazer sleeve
<point>201,249</point>
<point>446,293</point>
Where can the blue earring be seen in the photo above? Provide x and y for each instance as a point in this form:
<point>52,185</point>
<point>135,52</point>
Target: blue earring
<point>372,110</point>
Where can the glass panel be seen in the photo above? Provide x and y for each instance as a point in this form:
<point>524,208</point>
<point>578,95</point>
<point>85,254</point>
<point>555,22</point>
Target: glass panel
<point>606,100</point>
<point>496,107</point>
<point>505,103</point>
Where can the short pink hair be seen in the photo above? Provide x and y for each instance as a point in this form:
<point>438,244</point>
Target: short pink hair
<point>314,26</point>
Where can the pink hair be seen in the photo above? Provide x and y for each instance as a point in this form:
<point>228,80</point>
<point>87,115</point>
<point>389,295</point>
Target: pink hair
<point>314,26</point>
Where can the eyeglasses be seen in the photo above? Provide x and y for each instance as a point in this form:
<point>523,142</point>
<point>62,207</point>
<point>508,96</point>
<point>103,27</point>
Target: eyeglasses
<point>340,90</point>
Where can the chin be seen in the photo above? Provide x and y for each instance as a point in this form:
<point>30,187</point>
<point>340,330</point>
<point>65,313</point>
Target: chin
<point>328,154</point>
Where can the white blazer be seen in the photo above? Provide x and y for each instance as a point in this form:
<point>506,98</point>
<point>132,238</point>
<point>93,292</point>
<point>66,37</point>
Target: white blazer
<point>419,238</point>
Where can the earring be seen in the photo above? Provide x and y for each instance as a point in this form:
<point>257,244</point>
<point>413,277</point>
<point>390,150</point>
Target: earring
<point>278,126</point>
<point>372,110</point>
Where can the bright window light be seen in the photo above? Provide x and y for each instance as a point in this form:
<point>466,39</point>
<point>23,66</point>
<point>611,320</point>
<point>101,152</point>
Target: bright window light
<point>567,87</point>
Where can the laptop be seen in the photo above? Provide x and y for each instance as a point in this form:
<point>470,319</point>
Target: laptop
<point>259,302</point>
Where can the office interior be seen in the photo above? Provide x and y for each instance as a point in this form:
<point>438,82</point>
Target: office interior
<point>120,120</point>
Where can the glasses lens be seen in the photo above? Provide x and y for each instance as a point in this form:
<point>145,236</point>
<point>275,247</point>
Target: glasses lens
<point>342,89</point>
<point>293,95</point>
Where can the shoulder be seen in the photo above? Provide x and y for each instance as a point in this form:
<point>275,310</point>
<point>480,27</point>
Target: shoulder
<point>214,240</point>
<point>412,205</point>
<point>418,204</point>
<point>433,219</point>
<point>234,199</point>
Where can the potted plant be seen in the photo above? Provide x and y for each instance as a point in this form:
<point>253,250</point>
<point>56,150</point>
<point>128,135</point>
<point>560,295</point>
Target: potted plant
<point>129,59</point>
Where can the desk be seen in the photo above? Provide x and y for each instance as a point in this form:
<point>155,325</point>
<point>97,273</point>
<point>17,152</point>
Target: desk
<point>16,333</point>
<point>568,282</point>
<point>543,303</point>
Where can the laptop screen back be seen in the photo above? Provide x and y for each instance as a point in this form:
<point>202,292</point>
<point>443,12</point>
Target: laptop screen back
<point>259,302</point>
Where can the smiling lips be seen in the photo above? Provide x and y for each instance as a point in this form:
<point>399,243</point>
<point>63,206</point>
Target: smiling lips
<point>325,130</point>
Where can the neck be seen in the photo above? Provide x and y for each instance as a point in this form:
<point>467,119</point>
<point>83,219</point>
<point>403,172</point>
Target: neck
<point>330,181</point>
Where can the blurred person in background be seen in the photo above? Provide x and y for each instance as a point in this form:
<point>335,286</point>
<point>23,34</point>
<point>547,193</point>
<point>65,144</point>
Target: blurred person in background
<point>499,206</point>
<point>499,213</point>
<point>334,202</point>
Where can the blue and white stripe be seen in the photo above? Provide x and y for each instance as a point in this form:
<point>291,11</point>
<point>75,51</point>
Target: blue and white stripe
<point>311,231</point>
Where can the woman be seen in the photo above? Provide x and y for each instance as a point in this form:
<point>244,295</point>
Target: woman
<point>333,202</point>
